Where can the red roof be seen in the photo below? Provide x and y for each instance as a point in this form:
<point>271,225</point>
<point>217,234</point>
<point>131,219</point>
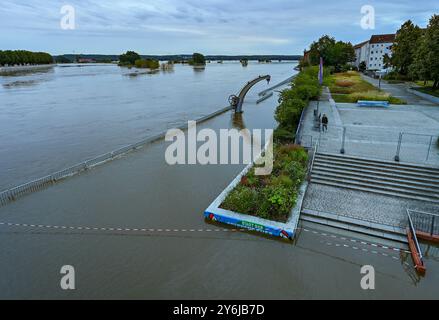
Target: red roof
<point>383,38</point>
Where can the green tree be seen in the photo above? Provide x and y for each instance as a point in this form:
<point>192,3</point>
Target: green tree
<point>129,58</point>
<point>362,67</point>
<point>405,47</point>
<point>431,47</point>
<point>387,61</point>
<point>147,63</point>
<point>334,53</point>
<point>198,59</point>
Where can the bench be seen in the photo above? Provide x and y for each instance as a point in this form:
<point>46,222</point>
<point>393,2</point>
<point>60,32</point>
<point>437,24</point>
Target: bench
<point>364,103</point>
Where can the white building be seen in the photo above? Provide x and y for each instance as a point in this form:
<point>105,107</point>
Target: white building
<point>362,52</point>
<point>373,51</point>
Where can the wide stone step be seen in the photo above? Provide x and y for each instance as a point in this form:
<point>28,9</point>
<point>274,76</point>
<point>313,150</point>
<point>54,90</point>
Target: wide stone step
<point>377,164</point>
<point>378,175</point>
<point>422,183</point>
<point>378,161</point>
<point>389,191</point>
<point>365,168</point>
<point>376,181</point>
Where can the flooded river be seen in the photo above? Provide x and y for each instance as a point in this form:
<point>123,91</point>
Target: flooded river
<point>53,119</point>
<point>181,256</point>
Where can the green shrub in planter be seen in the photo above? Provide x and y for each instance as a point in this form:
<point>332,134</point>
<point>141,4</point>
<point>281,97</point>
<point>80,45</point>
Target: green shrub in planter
<point>278,200</point>
<point>282,180</point>
<point>296,172</point>
<point>242,199</point>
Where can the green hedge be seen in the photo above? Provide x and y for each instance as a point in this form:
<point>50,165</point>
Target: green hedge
<point>292,101</point>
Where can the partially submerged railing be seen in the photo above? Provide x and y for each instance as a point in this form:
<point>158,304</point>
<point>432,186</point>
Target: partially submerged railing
<point>13,194</point>
<point>415,248</point>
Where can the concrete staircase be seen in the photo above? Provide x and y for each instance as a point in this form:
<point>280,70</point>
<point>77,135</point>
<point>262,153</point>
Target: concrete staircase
<point>410,181</point>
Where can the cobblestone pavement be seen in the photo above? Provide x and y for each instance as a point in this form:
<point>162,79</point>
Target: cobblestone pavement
<point>363,205</point>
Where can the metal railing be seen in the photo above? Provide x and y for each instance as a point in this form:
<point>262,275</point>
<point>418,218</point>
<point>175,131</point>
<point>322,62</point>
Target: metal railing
<point>407,140</point>
<point>382,143</point>
<point>316,150</point>
<point>424,222</point>
<point>298,137</point>
<point>415,238</point>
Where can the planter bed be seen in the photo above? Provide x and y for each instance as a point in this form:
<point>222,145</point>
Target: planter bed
<point>275,201</point>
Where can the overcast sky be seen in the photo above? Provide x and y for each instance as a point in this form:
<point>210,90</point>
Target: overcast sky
<point>207,26</point>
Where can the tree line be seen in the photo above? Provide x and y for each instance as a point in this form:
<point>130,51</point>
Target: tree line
<point>23,57</point>
<point>415,53</point>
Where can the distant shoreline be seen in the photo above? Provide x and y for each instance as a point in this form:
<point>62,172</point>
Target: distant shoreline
<point>185,57</point>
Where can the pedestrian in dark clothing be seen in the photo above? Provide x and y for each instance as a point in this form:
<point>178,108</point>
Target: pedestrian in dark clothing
<point>325,122</point>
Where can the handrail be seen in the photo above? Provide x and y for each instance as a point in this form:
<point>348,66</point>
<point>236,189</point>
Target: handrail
<point>412,228</point>
<point>423,212</point>
<point>316,147</point>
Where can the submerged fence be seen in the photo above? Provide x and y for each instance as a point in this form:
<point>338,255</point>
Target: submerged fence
<point>12,194</point>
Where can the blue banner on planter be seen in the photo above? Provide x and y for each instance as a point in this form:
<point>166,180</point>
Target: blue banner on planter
<point>242,224</point>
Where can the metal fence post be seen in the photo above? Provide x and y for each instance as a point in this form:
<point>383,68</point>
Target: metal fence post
<point>432,225</point>
<point>342,150</point>
<point>429,148</point>
<point>398,149</point>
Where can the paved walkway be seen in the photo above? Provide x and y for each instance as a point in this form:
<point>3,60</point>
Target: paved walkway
<point>398,91</point>
<point>373,133</point>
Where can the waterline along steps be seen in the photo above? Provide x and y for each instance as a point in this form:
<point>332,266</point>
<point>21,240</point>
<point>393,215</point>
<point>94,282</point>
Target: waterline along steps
<point>409,181</point>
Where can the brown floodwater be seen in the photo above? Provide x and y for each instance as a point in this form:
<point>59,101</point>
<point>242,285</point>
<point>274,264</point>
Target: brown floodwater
<point>141,190</point>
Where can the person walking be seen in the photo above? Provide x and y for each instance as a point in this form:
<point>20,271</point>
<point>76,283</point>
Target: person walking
<point>325,122</point>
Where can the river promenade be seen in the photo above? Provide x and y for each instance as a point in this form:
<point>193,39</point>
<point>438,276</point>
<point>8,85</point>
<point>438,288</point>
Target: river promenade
<point>373,133</point>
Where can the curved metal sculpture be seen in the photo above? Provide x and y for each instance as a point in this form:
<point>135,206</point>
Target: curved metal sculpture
<point>237,101</point>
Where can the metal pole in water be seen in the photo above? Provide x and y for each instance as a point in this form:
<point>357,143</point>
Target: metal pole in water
<point>342,151</point>
<point>398,150</point>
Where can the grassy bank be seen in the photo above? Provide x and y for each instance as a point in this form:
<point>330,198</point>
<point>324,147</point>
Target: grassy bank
<point>349,87</point>
<point>273,197</point>
<point>427,87</point>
